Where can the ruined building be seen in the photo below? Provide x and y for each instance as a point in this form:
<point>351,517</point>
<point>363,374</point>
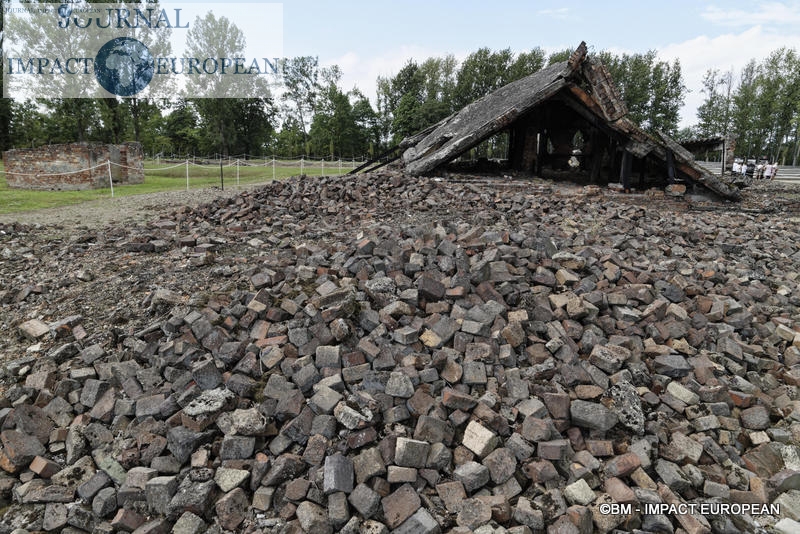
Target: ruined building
<point>542,115</point>
<point>74,166</point>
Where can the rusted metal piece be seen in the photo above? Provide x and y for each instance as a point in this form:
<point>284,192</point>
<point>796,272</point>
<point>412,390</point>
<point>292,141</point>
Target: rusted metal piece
<point>586,87</point>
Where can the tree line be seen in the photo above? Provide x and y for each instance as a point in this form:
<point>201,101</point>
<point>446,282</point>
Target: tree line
<point>314,115</point>
<point>759,105</point>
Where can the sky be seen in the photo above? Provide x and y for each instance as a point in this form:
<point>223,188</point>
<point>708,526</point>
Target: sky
<point>375,38</point>
<point>371,38</point>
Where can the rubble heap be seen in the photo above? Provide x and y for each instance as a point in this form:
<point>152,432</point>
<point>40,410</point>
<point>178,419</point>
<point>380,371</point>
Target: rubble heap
<point>425,357</point>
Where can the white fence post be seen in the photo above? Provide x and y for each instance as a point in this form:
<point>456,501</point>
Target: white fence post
<point>187,174</point>
<point>301,166</point>
<point>323,167</point>
<point>340,166</point>
<point>273,168</point>
<point>237,174</point>
<point>110,180</point>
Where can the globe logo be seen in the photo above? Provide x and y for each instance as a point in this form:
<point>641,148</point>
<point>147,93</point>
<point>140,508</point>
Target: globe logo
<point>64,10</point>
<point>123,66</point>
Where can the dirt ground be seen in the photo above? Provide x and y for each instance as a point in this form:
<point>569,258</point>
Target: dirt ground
<point>134,209</point>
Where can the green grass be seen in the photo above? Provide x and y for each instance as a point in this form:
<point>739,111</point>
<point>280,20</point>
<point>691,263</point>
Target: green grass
<point>156,180</point>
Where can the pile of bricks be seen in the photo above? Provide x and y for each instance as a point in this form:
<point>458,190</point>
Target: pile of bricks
<point>529,364</point>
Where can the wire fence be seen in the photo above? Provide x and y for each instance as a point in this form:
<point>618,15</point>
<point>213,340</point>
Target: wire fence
<point>252,159</point>
<point>204,170</point>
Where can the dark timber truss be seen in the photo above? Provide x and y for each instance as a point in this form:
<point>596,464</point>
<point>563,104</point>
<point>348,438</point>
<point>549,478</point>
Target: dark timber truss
<point>542,114</point>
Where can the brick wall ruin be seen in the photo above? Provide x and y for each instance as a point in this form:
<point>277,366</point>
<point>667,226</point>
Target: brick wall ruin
<point>73,166</point>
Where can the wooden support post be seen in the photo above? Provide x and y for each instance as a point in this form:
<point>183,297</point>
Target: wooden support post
<point>625,171</point>
<point>642,169</point>
<point>522,147</point>
<point>612,166</point>
<point>670,167</point>
<point>598,150</point>
<point>541,151</point>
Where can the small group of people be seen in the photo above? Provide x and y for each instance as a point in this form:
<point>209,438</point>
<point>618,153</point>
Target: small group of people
<point>766,171</point>
<point>761,171</point>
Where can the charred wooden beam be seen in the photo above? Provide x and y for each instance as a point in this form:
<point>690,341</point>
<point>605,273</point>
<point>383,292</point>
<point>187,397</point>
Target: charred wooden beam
<point>384,158</point>
<point>587,89</point>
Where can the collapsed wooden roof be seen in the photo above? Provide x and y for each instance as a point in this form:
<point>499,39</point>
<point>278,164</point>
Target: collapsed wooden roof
<point>585,86</point>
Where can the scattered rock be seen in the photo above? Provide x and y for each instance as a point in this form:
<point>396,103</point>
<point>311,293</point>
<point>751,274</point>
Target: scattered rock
<point>409,355</point>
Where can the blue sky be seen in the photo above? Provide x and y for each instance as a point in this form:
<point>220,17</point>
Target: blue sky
<point>371,38</point>
<point>448,26</point>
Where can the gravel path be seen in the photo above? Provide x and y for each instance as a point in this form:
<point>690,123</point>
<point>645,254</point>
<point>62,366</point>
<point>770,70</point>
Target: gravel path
<point>134,209</point>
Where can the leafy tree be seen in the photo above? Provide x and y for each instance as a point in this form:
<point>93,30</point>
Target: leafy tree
<point>714,114</point>
<point>634,79</point>
<point>180,129</point>
<point>226,123</point>
<point>6,137</point>
<point>256,116</point>
<point>333,128</point>
<point>26,128</point>
<point>290,140</point>
<point>558,57</point>
<point>139,109</point>
<point>301,78</point>
<point>367,122</point>
<point>71,119</point>
<point>781,80</point>
<point>407,116</point>
<point>114,118</point>
<point>761,110</point>
<point>652,90</point>
<point>439,79</point>
<point>421,95</point>
<point>667,92</point>
<point>153,134</point>
<point>525,64</point>
<point>481,73</point>
<point>744,105</point>
<point>406,88</point>
<point>409,81</point>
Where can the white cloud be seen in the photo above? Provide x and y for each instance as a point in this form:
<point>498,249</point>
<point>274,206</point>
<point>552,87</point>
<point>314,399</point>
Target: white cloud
<point>766,13</point>
<point>724,52</point>
<point>560,13</point>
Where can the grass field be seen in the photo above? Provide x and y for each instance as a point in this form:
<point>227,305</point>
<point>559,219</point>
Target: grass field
<point>158,177</point>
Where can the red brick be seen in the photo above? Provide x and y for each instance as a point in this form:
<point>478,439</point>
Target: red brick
<point>623,465</point>
<point>44,467</point>
<point>400,505</point>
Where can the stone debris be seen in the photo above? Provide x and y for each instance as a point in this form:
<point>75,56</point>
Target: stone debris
<point>401,354</point>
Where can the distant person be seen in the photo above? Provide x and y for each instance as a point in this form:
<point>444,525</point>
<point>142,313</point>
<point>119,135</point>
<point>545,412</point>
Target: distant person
<point>737,167</point>
<point>767,171</point>
<point>774,170</point>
